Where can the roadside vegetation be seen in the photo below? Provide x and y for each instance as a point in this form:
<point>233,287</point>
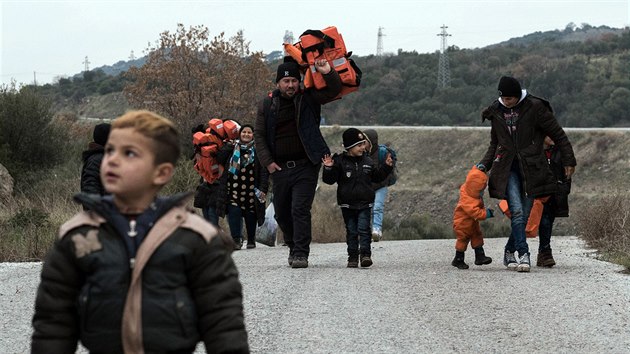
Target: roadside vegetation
<point>41,143</point>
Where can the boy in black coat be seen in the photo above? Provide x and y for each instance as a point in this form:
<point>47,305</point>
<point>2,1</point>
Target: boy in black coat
<point>139,273</point>
<point>354,172</point>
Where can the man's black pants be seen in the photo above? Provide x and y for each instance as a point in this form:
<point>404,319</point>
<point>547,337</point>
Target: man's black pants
<point>293,193</point>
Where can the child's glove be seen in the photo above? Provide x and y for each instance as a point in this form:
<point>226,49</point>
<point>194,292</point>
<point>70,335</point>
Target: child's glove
<point>489,213</point>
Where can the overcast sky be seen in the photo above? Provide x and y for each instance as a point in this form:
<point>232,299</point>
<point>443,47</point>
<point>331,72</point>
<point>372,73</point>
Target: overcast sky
<point>52,38</point>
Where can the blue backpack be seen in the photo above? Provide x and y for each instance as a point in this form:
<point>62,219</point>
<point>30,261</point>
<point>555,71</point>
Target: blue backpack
<point>383,150</point>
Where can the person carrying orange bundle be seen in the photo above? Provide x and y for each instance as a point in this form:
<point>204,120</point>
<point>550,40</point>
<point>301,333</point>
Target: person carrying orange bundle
<point>533,222</point>
<point>469,210</point>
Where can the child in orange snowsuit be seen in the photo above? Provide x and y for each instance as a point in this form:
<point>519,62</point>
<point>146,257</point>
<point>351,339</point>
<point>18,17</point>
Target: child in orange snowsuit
<point>469,210</point>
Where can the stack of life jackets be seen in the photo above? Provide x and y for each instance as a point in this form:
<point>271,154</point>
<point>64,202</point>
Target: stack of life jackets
<point>207,144</point>
<point>327,43</point>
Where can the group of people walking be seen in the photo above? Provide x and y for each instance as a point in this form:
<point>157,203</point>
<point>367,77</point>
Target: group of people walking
<point>134,272</point>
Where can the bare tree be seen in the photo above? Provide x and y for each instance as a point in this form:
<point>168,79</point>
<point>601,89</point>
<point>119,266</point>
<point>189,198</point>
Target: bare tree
<point>191,78</point>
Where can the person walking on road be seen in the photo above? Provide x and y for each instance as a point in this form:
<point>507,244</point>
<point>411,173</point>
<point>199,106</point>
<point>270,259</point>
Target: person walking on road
<point>290,145</point>
<point>354,172</point>
<point>518,165</point>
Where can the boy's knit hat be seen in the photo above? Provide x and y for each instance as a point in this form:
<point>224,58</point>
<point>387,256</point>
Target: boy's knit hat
<point>509,87</point>
<point>101,133</point>
<point>352,137</point>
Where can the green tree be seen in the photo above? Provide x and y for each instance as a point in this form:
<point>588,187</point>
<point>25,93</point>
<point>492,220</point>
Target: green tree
<point>28,138</point>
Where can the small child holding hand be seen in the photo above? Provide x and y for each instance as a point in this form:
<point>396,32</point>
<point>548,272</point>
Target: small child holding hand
<point>469,210</point>
<point>354,172</point>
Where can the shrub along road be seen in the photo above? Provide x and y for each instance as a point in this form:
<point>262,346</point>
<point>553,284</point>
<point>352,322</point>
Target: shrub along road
<point>410,301</point>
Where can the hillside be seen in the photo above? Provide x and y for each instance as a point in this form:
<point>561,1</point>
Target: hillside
<point>583,71</point>
<point>433,163</point>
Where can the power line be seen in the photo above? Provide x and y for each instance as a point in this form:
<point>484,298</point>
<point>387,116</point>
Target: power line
<point>444,72</point>
<point>379,42</point>
<point>87,64</point>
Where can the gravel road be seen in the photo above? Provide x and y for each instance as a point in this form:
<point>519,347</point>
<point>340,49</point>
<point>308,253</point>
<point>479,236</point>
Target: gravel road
<point>410,301</point>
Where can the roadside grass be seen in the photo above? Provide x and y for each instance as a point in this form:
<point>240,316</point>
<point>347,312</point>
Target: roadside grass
<point>432,165</point>
<point>605,226</point>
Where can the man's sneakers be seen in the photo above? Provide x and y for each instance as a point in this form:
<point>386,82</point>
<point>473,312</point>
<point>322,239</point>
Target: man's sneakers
<point>509,260</point>
<point>353,262</point>
<point>299,262</point>
<point>545,259</point>
<point>523,263</point>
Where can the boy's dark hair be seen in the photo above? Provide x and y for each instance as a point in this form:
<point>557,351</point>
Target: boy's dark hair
<point>161,130</point>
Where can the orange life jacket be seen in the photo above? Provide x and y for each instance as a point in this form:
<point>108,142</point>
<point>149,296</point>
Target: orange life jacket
<point>208,144</point>
<point>329,44</point>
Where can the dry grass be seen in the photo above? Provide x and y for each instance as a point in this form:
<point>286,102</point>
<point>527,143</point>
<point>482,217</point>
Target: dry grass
<point>432,164</point>
<point>605,226</point>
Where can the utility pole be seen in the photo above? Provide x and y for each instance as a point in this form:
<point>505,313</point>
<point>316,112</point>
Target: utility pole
<point>132,56</point>
<point>288,38</point>
<point>34,78</point>
<point>87,64</point>
<point>444,72</point>
<point>379,42</point>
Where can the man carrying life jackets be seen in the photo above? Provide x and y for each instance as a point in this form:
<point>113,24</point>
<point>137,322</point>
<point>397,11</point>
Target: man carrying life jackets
<point>291,146</point>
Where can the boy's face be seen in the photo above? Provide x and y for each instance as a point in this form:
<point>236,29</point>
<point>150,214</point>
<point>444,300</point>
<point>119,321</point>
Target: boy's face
<point>358,149</point>
<point>128,170</point>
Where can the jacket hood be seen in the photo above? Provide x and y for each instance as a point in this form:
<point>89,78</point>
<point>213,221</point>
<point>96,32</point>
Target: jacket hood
<point>476,182</point>
<point>103,204</point>
<point>373,138</point>
<point>523,95</point>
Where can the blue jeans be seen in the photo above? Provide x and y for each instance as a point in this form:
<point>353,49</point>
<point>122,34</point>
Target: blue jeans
<point>520,206</point>
<point>546,227</point>
<point>235,217</point>
<point>210,214</point>
<point>358,232</point>
<point>379,207</point>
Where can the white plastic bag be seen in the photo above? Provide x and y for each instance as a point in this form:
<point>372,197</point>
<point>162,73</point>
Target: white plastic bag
<point>266,233</point>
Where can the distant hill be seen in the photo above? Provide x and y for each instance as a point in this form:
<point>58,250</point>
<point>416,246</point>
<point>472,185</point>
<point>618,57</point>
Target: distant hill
<point>583,71</point>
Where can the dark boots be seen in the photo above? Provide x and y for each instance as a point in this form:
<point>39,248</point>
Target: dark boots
<point>458,261</point>
<point>545,259</point>
<point>480,257</point>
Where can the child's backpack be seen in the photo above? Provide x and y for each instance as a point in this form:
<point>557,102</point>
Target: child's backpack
<point>327,43</point>
<point>383,150</point>
<point>207,144</point>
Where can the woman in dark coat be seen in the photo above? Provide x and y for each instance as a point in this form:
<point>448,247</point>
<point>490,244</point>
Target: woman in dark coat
<point>244,188</point>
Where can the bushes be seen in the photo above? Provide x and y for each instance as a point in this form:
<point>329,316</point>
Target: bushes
<point>28,140</point>
<point>605,226</point>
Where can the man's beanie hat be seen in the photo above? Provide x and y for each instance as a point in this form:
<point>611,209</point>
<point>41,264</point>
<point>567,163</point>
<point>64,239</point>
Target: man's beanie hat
<point>352,137</point>
<point>288,69</point>
<point>509,87</point>
<point>101,132</point>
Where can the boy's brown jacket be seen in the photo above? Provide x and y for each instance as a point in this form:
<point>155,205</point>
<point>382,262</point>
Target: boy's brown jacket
<point>182,288</point>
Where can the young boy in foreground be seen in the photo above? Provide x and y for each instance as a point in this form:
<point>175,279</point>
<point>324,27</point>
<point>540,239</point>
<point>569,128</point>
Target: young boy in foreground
<point>138,273</point>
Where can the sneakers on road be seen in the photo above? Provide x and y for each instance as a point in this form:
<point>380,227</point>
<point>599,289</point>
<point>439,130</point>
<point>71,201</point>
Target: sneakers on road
<point>377,235</point>
<point>299,262</point>
<point>353,262</point>
<point>366,261</point>
<point>545,259</point>
<point>509,260</point>
<point>523,263</point>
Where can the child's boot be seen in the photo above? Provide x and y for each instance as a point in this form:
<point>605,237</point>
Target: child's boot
<point>480,257</point>
<point>458,261</point>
